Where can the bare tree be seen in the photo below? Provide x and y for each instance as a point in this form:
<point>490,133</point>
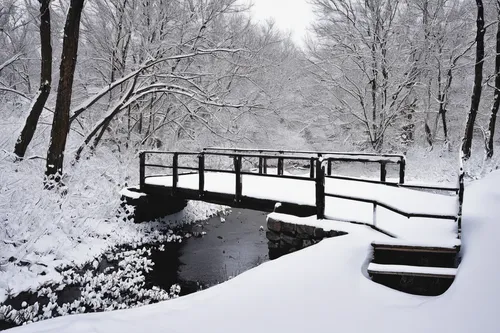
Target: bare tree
<point>45,82</point>
<point>361,55</point>
<point>478,81</point>
<point>496,93</point>
<point>60,125</point>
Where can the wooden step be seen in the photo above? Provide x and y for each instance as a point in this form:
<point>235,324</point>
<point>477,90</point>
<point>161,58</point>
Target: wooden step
<point>417,280</point>
<point>420,271</point>
<point>418,246</point>
<point>403,252</point>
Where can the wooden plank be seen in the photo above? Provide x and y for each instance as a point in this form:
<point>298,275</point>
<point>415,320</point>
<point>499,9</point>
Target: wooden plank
<point>431,272</point>
<point>450,246</point>
<point>416,249</point>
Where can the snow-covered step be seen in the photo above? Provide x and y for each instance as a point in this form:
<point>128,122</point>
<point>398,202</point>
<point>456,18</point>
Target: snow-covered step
<point>395,244</point>
<point>432,272</point>
<point>416,253</point>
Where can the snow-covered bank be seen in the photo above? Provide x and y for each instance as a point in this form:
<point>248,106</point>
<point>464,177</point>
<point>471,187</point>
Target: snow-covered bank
<point>42,231</point>
<point>324,288</point>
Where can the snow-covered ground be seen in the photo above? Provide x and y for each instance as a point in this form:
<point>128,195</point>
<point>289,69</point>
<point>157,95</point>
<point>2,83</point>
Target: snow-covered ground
<point>325,288</point>
<point>42,231</point>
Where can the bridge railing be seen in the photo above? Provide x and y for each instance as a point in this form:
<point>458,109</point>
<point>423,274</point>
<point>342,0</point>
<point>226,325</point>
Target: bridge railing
<point>382,159</point>
<point>318,173</point>
<point>237,167</point>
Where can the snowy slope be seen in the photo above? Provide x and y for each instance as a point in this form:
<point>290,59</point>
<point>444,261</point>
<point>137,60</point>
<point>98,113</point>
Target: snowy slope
<point>324,288</point>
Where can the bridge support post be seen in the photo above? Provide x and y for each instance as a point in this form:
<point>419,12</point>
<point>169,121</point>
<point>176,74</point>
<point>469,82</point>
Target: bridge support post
<point>201,174</point>
<point>142,169</point>
<point>175,172</point>
<point>383,172</point>
<point>320,190</point>
<point>402,167</point>
<point>239,185</point>
<point>311,168</point>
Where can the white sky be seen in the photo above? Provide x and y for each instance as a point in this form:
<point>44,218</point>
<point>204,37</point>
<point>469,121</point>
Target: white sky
<point>290,15</point>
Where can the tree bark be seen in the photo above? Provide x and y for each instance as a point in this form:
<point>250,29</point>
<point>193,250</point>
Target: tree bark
<point>496,99</point>
<point>45,82</point>
<point>60,125</point>
<point>478,79</point>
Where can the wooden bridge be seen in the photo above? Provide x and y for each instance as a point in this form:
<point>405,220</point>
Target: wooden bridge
<point>424,220</point>
<point>258,179</point>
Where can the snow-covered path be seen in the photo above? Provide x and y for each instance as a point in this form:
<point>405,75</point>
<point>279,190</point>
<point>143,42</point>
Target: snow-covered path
<point>324,288</point>
<point>303,192</point>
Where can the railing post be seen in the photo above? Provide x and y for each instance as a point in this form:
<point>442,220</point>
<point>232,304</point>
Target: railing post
<point>461,190</point>
<point>175,172</point>
<point>311,168</point>
<point>264,167</point>
<point>260,165</point>
<point>201,174</point>
<point>374,214</point>
<point>239,185</point>
<point>383,171</point>
<point>320,190</point>
<point>142,170</point>
<point>329,171</point>
<point>402,166</point>
<point>280,166</point>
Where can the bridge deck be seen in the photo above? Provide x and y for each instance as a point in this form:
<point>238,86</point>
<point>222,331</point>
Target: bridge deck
<point>302,192</point>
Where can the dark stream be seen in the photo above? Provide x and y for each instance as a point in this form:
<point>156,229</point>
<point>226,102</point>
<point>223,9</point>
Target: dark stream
<point>211,252</point>
<point>229,246</point>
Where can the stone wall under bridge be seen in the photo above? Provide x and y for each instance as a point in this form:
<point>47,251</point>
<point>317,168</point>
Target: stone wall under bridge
<point>285,237</point>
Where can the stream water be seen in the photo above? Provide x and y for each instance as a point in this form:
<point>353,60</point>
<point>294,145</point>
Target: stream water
<point>210,252</point>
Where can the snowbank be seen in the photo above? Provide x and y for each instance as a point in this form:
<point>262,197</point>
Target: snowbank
<point>324,288</point>
<point>41,231</point>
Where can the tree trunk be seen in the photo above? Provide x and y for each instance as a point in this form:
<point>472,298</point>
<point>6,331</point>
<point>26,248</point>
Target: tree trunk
<point>45,82</point>
<point>60,125</point>
<point>478,79</point>
<point>496,99</point>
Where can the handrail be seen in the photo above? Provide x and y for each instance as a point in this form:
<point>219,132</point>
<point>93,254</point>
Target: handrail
<point>391,208</point>
<point>282,151</point>
<point>329,157</point>
<point>409,186</point>
<point>339,156</point>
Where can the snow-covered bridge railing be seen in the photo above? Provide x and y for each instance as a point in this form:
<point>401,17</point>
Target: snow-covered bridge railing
<point>259,178</point>
<point>382,159</point>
